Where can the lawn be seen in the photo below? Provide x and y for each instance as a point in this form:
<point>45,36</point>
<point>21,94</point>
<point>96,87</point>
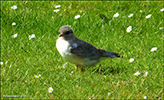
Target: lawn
<point>31,64</point>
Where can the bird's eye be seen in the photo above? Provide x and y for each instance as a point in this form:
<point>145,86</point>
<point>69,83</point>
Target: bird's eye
<point>67,32</point>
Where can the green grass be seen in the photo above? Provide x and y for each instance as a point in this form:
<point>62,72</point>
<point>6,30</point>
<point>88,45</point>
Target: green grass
<point>24,58</point>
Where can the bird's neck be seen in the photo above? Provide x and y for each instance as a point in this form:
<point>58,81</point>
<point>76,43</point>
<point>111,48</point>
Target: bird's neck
<point>72,38</point>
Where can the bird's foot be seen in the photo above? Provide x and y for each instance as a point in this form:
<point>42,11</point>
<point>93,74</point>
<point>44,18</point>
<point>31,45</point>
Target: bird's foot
<point>77,68</point>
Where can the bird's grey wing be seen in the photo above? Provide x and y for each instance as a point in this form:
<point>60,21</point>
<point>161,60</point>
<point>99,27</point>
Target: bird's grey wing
<point>85,50</point>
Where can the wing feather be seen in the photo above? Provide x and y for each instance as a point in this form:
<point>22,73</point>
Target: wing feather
<point>85,50</point>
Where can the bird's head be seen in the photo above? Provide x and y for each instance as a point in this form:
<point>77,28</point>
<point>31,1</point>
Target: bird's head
<point>66,32</point>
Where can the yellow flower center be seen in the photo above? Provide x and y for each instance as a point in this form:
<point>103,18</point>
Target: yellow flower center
<point>15,36</point>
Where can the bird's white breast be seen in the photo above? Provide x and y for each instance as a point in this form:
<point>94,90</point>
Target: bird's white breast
<point>63,48</point>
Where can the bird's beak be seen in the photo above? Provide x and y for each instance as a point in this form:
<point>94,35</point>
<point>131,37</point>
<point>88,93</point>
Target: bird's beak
<point>61,35</point>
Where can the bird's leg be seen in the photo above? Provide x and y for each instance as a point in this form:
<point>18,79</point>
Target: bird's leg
<point>81,68</point>
<point>76,68</point>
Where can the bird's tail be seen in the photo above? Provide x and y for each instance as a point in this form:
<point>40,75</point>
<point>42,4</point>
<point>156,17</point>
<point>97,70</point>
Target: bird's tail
<point>109,54</point>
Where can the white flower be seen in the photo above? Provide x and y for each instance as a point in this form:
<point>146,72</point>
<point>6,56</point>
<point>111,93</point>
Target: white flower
<point>31,36</point>
<point>15,35</point>
<point>57,6</point>
<point>129,29</point>
<point>72,72</point>
<point>1,63</point>
<point>148,16</point>
<point>131,15</point>
<point>131,60</point>
<point>77,16</point>
<point>145,97</point>
<point>14,7</point>
<point>141,11</point>
<point>37,76</point>
<point>162,9</point>
<point>57,10</point>
<point>50,89</point>
<point>13,23</point>
<point>137,73</point>
<point>116,15</point>
<point>161,28</point>
<point>153,49</point>
<point>146,73</point>
<point>108,93</point>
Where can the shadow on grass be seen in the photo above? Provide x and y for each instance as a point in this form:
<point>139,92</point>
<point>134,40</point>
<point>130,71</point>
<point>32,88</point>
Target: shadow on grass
<point>106,70</point>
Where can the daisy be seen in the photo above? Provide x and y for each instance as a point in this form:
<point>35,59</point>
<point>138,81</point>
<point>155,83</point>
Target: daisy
<point>14,7</point>
<point>131,60</point>
<point>141,11</point>
<point>1,63</point>
<point>129,29</point>
<point>37,76</point>
<point>145,97</point>
<point>72,72</point>
<point>108,93</point>
<point>50,89</point>
<point>162,9</point>
<point>15,35</point>
<point>116,15</point>
<point>137,73</point>
<point>146,73</point>
<point>153,49</point>
<point>77,16</point>
<point>161,28</point>
<point>57,10</point>
<point>57,6</point>
<point>13,23</point>
<point>31,36</point>
<point>148,16</point>
<point>131,15</point>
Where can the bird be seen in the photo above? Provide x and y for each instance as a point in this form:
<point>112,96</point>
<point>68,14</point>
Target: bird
<point>79,52</point>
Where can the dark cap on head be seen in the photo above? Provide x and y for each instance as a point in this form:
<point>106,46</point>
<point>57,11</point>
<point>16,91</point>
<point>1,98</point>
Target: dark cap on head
<point>65,29</point>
